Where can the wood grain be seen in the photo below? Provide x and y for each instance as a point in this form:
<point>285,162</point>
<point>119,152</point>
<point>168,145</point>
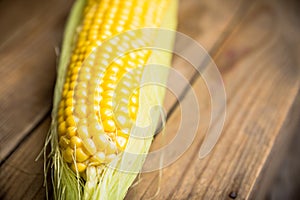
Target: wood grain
<point>262,82</point>
<point>255,44</point>
<point>21,176</point>
<point>28,65</point>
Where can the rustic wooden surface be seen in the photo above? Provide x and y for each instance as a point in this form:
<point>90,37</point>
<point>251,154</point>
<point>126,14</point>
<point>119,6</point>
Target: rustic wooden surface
<point>256,46</point>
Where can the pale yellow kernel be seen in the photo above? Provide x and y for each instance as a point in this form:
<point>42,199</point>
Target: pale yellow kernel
<point>75,142</point>
<point>101,141</point>
<point>78,167</point>
<point>100,157</point>
<point>85,69</point>
<point>90,146</point>
<point>110,157</point>
<point>81,93</point>
<point>68,155</point>
<point>84,76</point>
<point>83,132</point>
<point>81,86</point>
<point>80,110</point>
<point>80,155</point>
<point>91,108</point>
<point>95,128</point>
<point>111,148</point>
<point>82,122</point>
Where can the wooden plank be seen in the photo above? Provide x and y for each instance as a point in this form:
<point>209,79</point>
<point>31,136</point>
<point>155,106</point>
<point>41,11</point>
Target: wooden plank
<point>207,22</point>
<point>21,177</point>
<point>262,82</point>
<point>224,16</point>
<point>30,33</point>
<point>35,20</point>
<point>235,63</point>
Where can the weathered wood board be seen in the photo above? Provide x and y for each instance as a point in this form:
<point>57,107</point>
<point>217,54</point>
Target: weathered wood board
<point>256,46</point>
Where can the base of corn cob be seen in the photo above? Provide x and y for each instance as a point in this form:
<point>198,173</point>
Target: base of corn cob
<point>110,181</point>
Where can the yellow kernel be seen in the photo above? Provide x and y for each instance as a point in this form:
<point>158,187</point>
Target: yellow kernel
<point>106,113</point>
<point>61,104</point>
<point>64,93</point>
<point>109,125</point>
<point>109,86</point>
<point>75,142</point>
<point>71,131</point>
<point>69,102</point>
<point>68,155</point>
<point>94,161</point>
<point>121,142</point>
<point>71,121</point>
<point>70,94</point>
<point>64,142</point>
<point>78,167</point>
<point>60,119</point>
<point>60,112</point>
<point>72,85</point>
<point>134,99</point>
<point>62,128</point>
<point>74,77</point>
<point>80,155</point>
<point>106,102</point>
<point>132,112</point>
<point>74,58</point>
<point>69,111</point>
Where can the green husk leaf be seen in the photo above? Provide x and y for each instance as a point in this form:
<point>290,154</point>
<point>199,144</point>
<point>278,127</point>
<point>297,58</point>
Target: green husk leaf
<point>66,184</point>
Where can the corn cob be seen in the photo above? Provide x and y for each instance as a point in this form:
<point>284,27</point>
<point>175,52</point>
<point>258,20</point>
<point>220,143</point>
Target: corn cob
<point>88,131</point>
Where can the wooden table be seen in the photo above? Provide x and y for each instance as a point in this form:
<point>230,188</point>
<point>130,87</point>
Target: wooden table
<point>256,46</point>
